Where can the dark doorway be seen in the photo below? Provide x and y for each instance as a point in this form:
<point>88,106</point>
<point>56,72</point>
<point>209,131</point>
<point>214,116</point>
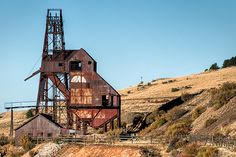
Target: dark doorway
<point>104,100</point>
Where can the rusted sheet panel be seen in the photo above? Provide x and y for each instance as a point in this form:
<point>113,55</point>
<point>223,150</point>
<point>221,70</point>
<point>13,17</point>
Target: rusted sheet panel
<point>95,116</point>
<point>53,66</point>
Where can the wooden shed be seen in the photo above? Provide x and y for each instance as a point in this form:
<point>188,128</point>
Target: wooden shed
<point>41,125</point>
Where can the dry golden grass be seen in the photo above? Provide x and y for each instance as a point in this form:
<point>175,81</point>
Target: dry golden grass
<point>19,117</point>
<point>160,90</point>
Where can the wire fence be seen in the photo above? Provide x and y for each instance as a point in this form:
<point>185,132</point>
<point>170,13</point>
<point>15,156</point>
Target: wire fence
<point>227,142</point>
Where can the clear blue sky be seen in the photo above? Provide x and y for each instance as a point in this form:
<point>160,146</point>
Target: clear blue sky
<point>128,38</point>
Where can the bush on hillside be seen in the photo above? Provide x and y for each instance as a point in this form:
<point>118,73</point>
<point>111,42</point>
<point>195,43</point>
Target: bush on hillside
<point>156,124</point>
<point>214,67</point>
<point>154,116</point>
<point>194,150</point>
<point>26,143</point>
<point>207,152</point>
<point>186,96</point>
<point>29,113</point>
<point>175,114</point>
<point>229,62</point>
<point>197,112</point>
<point>129,92</point>
<point>180,128</point>
<point>191,149</point>
<point>221,96</point>
<point>3,140</point>
<point>210,121</point>
<point>175,89</point>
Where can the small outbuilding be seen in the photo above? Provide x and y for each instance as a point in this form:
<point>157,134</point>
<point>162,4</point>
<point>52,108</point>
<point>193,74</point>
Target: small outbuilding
<point>41,125</point>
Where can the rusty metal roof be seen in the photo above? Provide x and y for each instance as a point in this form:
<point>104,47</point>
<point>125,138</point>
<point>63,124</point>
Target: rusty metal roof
<point>48,117</point>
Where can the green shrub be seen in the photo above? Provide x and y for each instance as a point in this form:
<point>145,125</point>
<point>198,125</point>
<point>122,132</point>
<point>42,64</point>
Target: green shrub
<point>221,96</point>
<point>197,112</point>
<point>175,89</point>
<point>3,140</point>
<point>186,96</point>
<point>158,123</point>
<point>214,67</point>
<point>154,116</point>
<point>26,143</point>
<point>229,62</point>
<point>209,122</point>
<point>207,152</point>
<point>140,86</point>
<point>29,113</point>
<point>180,128</point>
<point>175,113</point>
<point>161,122</point>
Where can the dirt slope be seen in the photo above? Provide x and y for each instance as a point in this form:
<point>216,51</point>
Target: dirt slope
<point>225,120</point>
<point>99,151</point>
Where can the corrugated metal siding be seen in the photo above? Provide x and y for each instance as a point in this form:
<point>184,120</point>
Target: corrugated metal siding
<point>40,127</point>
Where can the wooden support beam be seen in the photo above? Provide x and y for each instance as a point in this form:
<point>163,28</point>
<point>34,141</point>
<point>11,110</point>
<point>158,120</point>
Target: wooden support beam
<point>11,124</point>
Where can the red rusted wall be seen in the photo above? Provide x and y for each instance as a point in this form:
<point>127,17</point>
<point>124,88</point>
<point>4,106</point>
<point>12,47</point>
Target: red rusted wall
<point>86,86</point>
<point>99,116</point>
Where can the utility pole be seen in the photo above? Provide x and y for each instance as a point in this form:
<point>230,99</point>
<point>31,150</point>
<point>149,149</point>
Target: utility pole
<point>11,123</point>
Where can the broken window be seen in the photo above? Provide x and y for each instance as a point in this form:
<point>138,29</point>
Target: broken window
<point>104,100</point>
<point>60,64</point>
<point>112,97</point>
<point>95,66</point>
<point>49,134</point>
<point>75,66</point>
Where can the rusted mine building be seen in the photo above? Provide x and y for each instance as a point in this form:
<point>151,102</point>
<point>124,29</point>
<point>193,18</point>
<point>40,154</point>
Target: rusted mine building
<point>92,101</point>
<point>40,125</point>
<point>70,85</point>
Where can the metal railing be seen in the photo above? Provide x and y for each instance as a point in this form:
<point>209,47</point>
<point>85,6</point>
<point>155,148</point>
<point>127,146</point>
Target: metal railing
<point>227,142</point>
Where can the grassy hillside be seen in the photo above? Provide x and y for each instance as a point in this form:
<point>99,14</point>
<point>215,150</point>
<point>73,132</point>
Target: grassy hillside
<point>19,117</point>
<point>147,97</point>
